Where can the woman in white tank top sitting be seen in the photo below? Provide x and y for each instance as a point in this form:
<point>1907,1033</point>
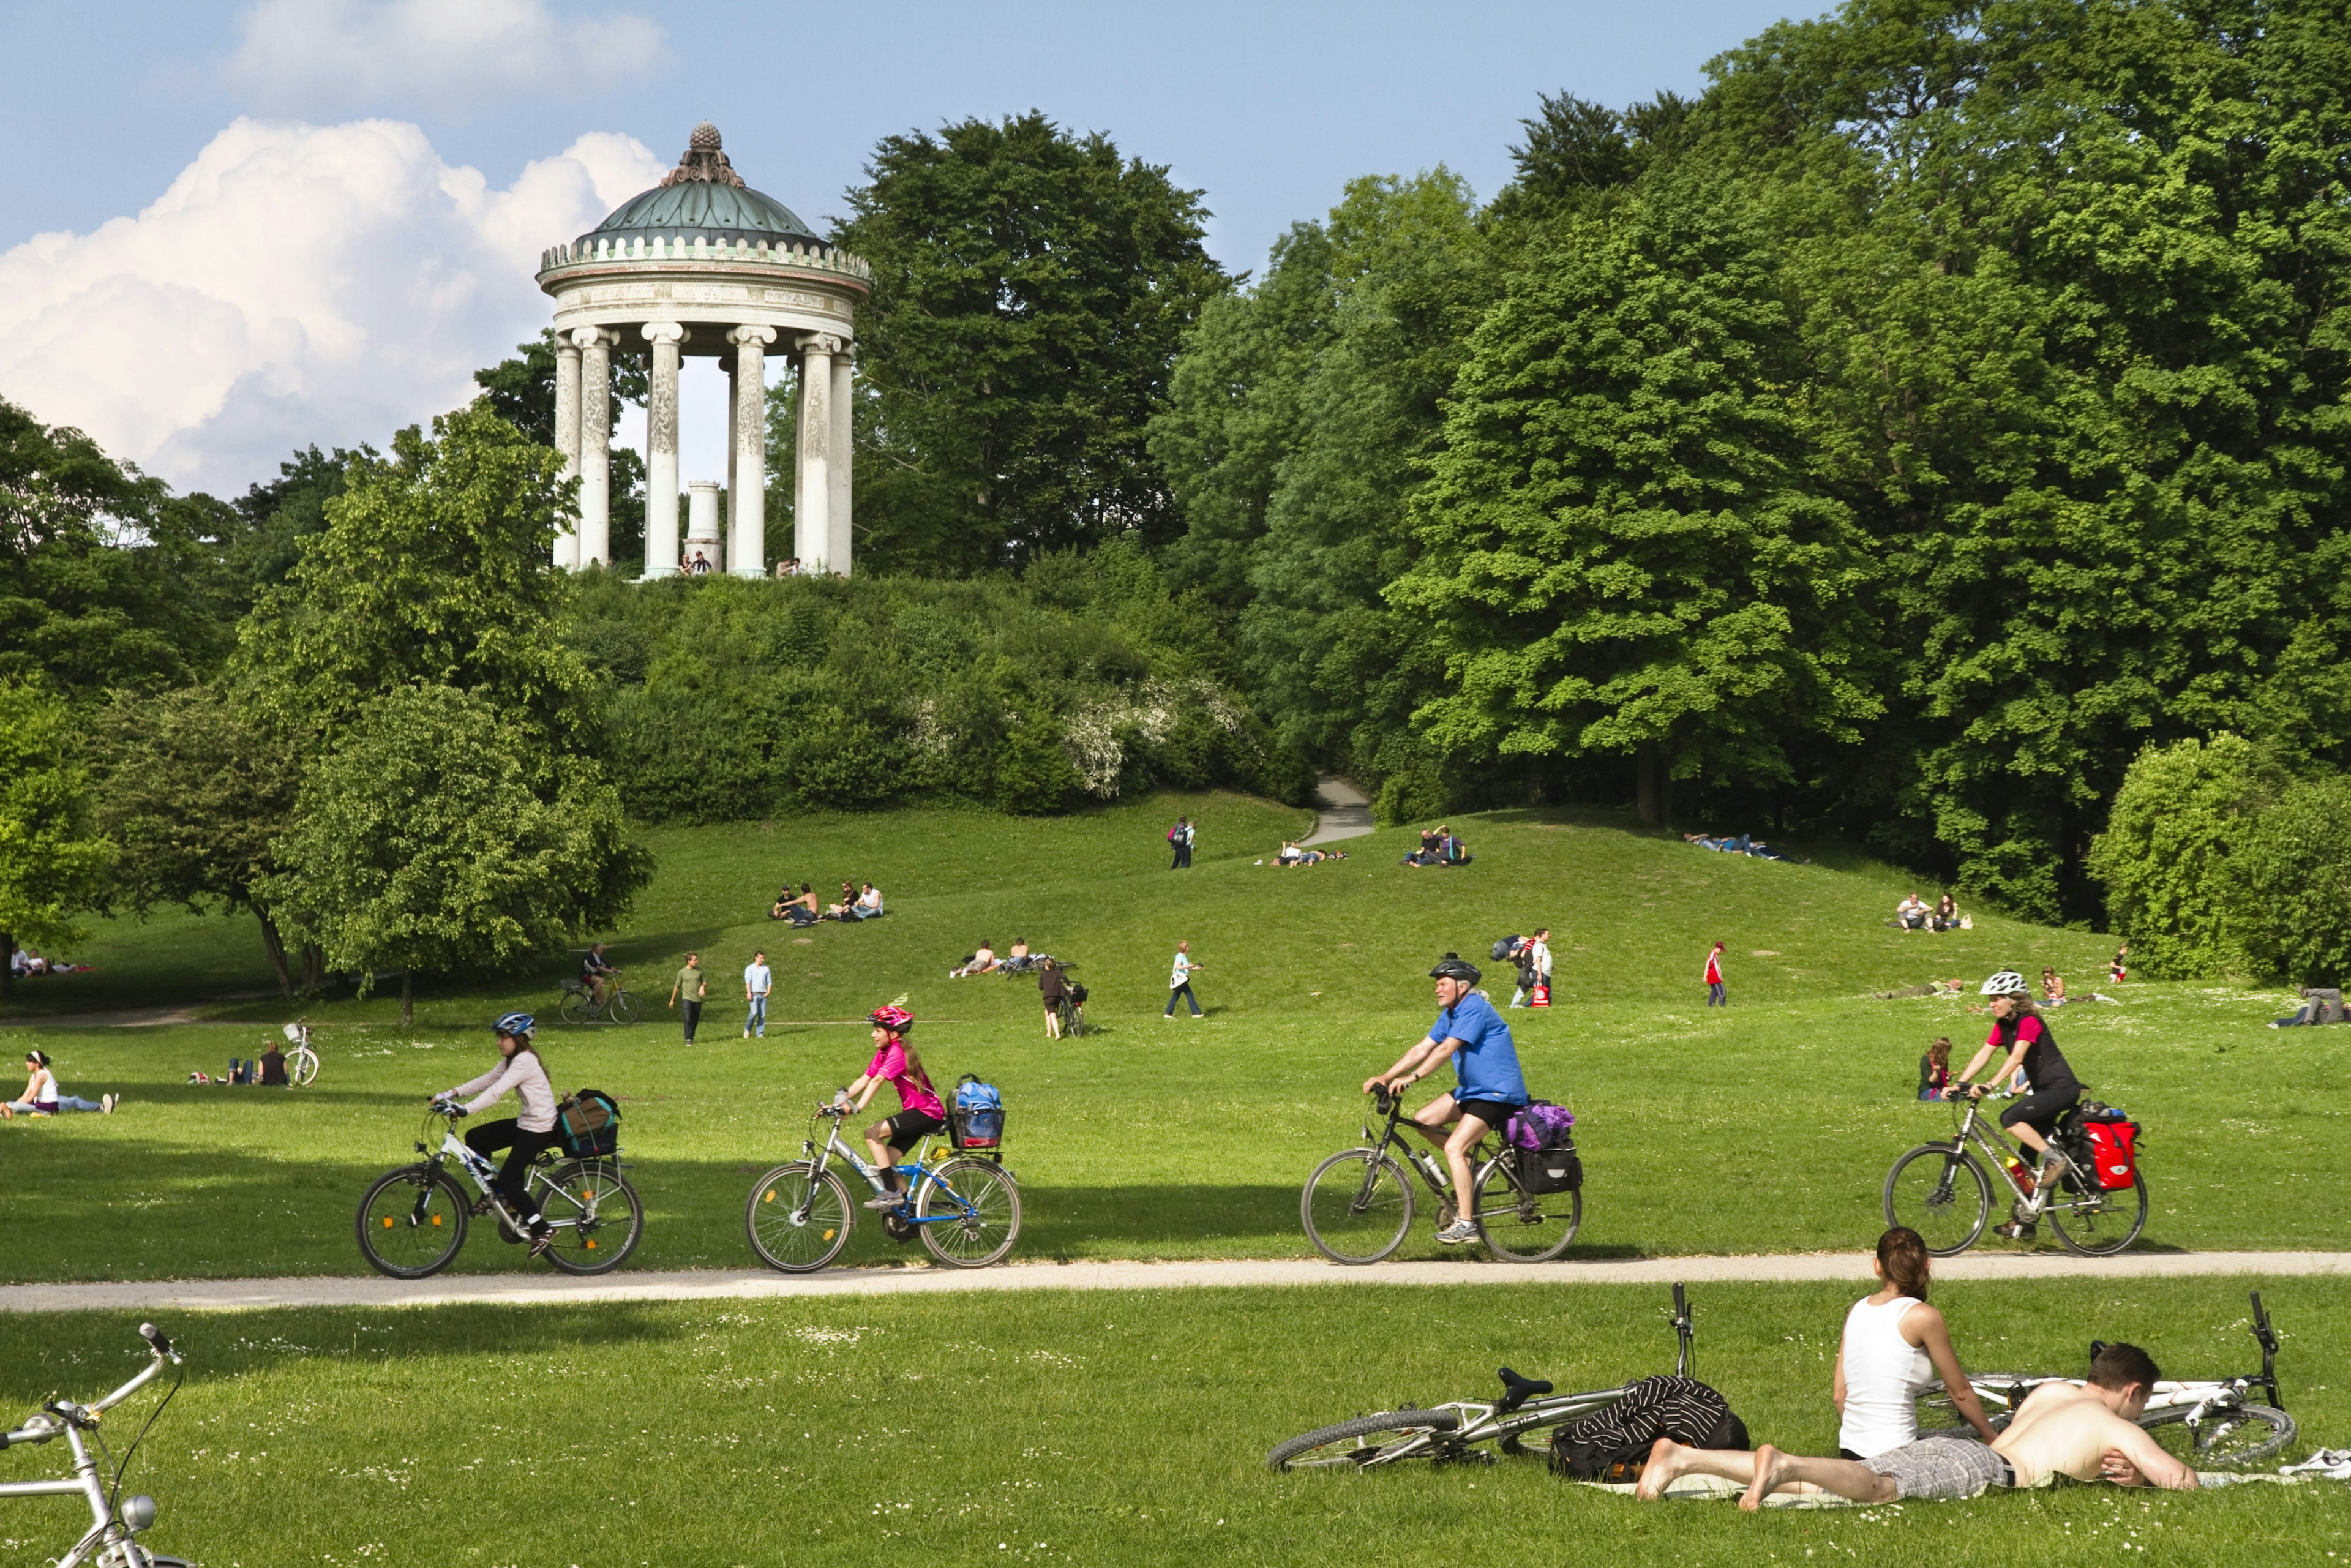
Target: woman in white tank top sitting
<point>1895,1345</point>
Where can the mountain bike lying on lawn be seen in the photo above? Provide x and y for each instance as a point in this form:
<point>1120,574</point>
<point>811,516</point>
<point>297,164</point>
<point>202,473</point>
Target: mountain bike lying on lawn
<point>1940,1190</point>
<point>412,1220</point>
<point>1357,1206</point>
<point>2212,1425</point>
<point>109,1542</point>
<point>966,1209</point>
<point>1450,1432</point>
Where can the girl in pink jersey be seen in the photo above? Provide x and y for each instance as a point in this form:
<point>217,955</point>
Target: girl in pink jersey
<point>920,1113</point>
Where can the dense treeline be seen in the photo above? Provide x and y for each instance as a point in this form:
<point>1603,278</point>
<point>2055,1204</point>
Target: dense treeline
<point>1895,439</point>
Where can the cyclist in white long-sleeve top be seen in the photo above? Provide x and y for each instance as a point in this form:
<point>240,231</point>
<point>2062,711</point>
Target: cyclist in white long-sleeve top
<point>524,1136</point>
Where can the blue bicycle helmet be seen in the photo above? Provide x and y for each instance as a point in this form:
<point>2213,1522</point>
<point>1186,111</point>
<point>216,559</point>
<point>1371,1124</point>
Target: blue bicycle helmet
<point>519,1025</point>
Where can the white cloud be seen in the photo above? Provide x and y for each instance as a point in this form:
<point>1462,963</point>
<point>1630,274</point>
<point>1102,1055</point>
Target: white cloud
<point>297,283</point>
<point>330,56</point>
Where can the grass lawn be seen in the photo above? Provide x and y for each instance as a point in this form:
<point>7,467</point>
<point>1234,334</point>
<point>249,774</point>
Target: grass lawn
<point>1767,1126</point>
<point>1084,1427</point>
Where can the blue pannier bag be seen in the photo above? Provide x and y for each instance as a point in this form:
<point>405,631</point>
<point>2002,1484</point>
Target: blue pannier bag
<point>975,1119</point>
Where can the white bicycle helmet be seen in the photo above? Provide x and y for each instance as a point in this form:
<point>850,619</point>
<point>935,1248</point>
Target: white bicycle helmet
<point>2007,983</point>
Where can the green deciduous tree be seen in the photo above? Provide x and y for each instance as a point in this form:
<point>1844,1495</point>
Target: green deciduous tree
<point>432,840</point>
<point>1030,287</point>
<point>2292,877</point>
<point>54,862</point>
<point>2167,855</point>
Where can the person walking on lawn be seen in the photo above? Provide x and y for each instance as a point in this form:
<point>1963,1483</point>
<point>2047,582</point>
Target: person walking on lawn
<point>1179,981</point>
<point>1716,997</point>
<point>1180,838</point>
<point>690,987</point>
<point>1534,968</point>
<point>757,981</point>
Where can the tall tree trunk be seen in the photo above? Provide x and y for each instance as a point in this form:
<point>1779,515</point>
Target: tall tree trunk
<point>1649,784</point>
<point>314,969</point>
<point>273,943</point>
<point>407,1000</point>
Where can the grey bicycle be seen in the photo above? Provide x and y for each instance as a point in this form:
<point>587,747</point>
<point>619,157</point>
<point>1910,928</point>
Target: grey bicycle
<point>799,1217</point>
<point>1455,1431</point>
<point>412,1220</point>
<point>1941,1191</point>
<point>1357,1206</point>
<point>578,1004</point>
<point>111,1540</point>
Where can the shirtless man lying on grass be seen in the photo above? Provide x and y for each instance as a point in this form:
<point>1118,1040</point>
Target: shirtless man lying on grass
<point>2089,1431</point>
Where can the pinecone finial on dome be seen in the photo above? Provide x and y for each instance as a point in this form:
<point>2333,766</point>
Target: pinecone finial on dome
<point>703,160</point>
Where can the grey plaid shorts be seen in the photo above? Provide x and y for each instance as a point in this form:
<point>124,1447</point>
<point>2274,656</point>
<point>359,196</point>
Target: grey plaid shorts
<point>1942,1469</point>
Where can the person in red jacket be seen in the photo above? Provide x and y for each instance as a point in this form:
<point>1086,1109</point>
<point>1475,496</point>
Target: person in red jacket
<point>1716,997</point>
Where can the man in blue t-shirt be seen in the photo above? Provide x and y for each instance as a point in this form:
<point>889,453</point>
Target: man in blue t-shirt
<point>1489,1085</point>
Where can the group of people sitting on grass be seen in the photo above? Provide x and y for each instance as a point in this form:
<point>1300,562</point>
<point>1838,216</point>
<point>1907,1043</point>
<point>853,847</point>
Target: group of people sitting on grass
<point>983,959</point>
<point>1439,847</point>
<point>1894,1348</point>
<point>2320,1004</point>
<point>1294,853</point>
<point>857,902</point>
<point>1914,913</point>
<point>266,1071</point>
<point>23,961</point>
<point>1752,848</point>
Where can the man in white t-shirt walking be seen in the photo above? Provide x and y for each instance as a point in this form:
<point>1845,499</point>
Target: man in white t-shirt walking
<point>757,981</point>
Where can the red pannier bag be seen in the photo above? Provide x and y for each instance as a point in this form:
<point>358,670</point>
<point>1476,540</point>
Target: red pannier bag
<point>2116,1146</point>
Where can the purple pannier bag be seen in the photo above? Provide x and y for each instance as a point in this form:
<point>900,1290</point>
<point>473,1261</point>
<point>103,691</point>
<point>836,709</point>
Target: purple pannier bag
<point>1542,1125</point>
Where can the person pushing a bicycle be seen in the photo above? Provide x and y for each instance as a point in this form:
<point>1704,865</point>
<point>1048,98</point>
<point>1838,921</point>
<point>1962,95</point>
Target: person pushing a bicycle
<point>1489,1085</point>
<point>920,1113</point>
<point>523,1137</point>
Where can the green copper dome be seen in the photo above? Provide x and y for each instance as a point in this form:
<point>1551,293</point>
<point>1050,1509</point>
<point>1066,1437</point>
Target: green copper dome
<point>703,195</point>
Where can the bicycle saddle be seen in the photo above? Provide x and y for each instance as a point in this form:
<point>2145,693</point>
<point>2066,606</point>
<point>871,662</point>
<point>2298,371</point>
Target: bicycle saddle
<point>1518,1390</point>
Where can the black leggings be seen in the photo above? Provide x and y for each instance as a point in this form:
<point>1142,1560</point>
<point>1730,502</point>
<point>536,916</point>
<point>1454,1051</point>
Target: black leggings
<point>522,1147</point>
<point>2039,1109</point>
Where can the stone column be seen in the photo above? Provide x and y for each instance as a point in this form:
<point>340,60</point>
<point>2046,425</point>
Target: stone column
<point>661,446</point>
<point>702,522</point>
<point>566,438</point>
<point>814,530</point>
<point>837,460</point>
<point>734,438</point>
<point>799,473</point>
<point>746,506</point>
<point>595,444</point>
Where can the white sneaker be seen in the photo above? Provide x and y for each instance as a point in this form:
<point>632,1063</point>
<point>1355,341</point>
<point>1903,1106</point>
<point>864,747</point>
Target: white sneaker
<point>1459,1231</point>
<point>107,1103</point>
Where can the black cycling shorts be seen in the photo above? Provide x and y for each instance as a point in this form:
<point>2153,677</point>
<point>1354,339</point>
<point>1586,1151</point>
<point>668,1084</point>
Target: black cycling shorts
<point>2039,1109</point>
<point>1493,1113</point>
<point>908,1128</point>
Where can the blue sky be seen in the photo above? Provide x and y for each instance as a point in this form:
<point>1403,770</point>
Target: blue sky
<point>366,121</point>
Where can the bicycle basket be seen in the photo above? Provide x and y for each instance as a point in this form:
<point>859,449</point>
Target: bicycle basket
<point>975,1119</point>
<point>590,1123</point>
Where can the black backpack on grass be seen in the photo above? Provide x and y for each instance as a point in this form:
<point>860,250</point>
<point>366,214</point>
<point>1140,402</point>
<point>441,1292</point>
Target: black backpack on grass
<point>1612,1445</point>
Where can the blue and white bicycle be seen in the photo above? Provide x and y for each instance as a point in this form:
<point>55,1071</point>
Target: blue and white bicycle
<point>965,1208</point>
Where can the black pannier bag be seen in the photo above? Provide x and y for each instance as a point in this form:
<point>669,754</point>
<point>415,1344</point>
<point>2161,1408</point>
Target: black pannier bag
<point>1545,1171</point>
<point>1612,1445</point>
<point>590,1123</point>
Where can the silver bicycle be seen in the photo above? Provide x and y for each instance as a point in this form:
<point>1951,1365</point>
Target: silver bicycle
<point>1941,1191</point>
<point>302,1062</point>
<point>111,1541</point>
<point>965,1208</point>
<point>412,1219</point>
<point>1450,1433</point>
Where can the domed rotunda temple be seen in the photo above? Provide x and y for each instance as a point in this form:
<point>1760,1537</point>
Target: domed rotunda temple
<point>701,264</point>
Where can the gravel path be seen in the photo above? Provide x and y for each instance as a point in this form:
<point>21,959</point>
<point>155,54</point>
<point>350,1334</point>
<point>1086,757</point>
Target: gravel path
<point>1341,811</point>
<point>736,1284</point>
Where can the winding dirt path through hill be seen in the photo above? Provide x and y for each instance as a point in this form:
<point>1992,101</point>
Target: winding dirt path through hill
<point>1341,811</point>
<point>737,1284</point>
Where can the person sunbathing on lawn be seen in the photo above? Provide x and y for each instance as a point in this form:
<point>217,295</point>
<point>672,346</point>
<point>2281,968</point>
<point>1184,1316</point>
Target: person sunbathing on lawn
<point>2086,1430</point>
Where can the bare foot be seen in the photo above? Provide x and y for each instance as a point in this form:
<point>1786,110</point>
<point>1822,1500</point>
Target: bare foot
<point>1664,1466</point>
<point>1771,1470</point>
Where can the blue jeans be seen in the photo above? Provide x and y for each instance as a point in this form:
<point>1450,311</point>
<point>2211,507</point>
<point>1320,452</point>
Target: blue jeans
<point>1184,991</point>
<point>757,1023</point>
<point>65,1102</point>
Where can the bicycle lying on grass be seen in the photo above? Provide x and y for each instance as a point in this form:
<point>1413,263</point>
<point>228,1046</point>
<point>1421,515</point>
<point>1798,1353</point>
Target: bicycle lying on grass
<point>2211,1424</point>
<point>1940,1190</point>
<point>966,1209</point>
<point>579,1004</point>
<point>1357,1206</point>
<point>412,1220</point>
<point>110,1541</point>
<point>1451,1433</point>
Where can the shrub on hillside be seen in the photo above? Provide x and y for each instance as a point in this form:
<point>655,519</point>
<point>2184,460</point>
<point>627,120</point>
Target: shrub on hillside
<point>2164,858</point>
<point>2292,880</point>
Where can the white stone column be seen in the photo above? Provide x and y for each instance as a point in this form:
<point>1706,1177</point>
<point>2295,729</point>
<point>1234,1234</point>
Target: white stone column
<point>746,507</point>
<point>595,444</point>
<point>837,461</point>
<point>734,418</point>
<point>566,438</point>
<point>800,550</point>
<point>661,447</point>
<point>814,524</point>
<point>702,523</point>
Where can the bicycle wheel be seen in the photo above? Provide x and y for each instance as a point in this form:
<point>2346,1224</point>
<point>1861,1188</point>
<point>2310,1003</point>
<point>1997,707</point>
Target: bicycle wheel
<point>798,1219</point>
<point>2098,1223</point>
<point>411,1222</point>
<point>1358,1442</point>
<point>597,1217</point>
<point>304,1067</point>
<point>1357,1206</point>
<point>1523,1227</point>
<point>1941,1192</point>
<point>574,1006</point>
<point>1076,1027</point>
<point>984,1208</point>
<point>2244,1436</point>
<point>621,1008</point>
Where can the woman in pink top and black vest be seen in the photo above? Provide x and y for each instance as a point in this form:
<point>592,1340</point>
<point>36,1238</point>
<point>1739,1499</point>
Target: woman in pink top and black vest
<point>920,1114</point>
